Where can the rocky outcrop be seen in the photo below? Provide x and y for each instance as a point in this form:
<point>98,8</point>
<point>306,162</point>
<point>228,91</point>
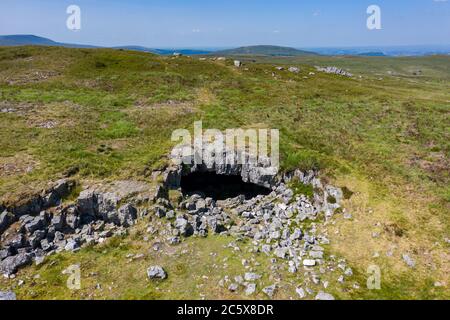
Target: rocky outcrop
<point>48,198</point>
<point>334,70</point>
<point>99,213</point>
<point>95,216</point>
<point>259,172</point>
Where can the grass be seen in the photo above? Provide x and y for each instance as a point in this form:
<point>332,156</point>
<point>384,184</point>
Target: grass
<point>383,134</point>
<point>300,188</point>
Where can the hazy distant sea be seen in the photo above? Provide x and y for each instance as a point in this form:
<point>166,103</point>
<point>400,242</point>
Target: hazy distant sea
<point>384,50</point>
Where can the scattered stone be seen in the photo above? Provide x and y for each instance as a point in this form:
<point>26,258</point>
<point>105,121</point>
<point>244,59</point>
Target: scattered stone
<point>250,276</point>
<point>280,252</point>
<point>239,279</point>
<point>174,240</point>
<point>160,212</point>
<point>316,254</point>
<point>250,289</point>
<point>301,293</point>
<point>233,287</point>
<point>170,214</point>
<point>348,272</point>
<point>72,245</point>
<point>156,272</point>
<point>309,263</point>
<point>408,260</point>
<point>294,69</point>
<point>270,290</point>
<point>7,295</point>
<point>39,260</point>
<point>324,296</point>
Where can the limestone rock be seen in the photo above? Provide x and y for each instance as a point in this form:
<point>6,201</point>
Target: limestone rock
<point>7,295</point>
<point>127,215</point>
<point>12,264</point>
<point>324,296</point>
<point>270,290</point>
<point>6,219</point>
<point>156,272</point>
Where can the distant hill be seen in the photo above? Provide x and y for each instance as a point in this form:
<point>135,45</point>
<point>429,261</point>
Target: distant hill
<point>32,40</point>
<point>264,50</point>
<point>20,40</point>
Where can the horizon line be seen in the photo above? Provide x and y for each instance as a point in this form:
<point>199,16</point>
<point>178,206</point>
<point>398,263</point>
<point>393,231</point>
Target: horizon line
<point>232,46</point>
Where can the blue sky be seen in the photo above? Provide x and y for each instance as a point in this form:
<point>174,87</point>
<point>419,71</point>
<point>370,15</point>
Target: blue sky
<point>227,23</point>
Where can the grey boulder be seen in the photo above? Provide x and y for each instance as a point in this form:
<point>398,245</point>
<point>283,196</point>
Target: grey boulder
<point>5,253</point>
<point>7,295</point>
<point>6,219</point>
<point>156,272</point>
<point>127,215</point>
<point>324,296</point>
<point>12,264</point>
<point>270,290</point>
<point>58,222</point>
<point>38,223</point>
<point>87,204</point>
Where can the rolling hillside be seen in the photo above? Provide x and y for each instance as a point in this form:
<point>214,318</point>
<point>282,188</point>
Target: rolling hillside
<point>100,116</point>
<point>264,50</point>
<point>32,40</point>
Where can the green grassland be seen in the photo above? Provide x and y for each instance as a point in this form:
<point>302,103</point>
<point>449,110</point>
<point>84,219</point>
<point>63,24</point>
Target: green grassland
<point>383,134</point>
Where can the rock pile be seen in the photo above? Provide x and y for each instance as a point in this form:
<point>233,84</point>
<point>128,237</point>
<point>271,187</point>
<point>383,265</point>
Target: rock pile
<point>273,222</point>
<point>94,217</point>
<point>334,70</point>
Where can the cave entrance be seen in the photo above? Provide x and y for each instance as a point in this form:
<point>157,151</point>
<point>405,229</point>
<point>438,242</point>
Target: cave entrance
<point>220,187</point>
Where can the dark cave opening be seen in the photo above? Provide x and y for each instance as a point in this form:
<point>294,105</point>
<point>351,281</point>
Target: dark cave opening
<point>220,187</point>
